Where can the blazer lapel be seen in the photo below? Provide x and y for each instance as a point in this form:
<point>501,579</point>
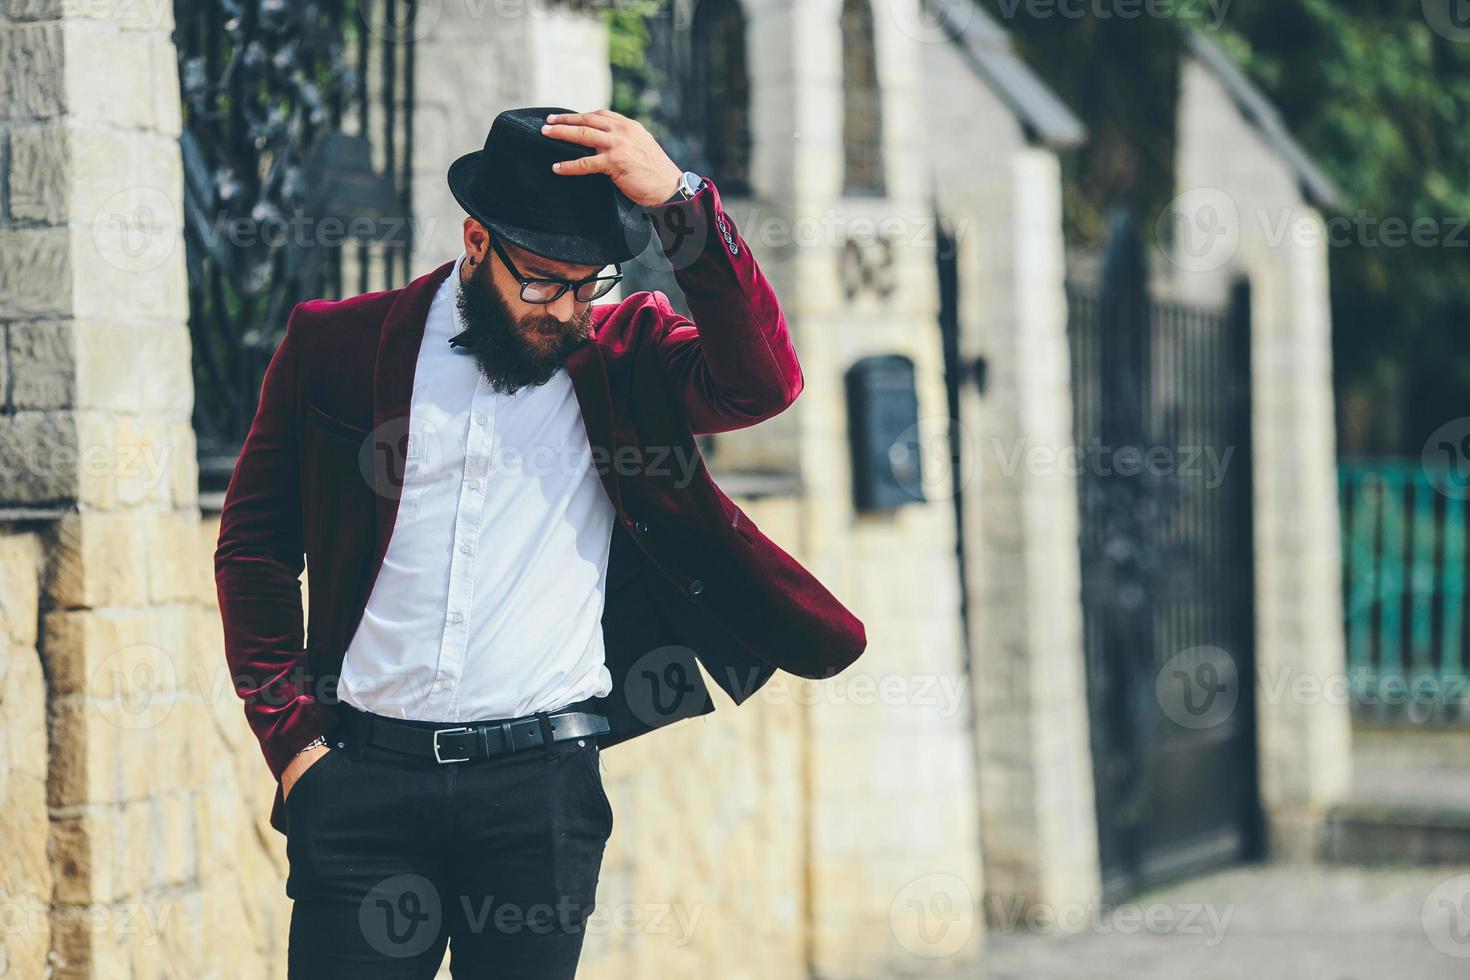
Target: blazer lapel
<point>398,350</point>
<point>588,371</point>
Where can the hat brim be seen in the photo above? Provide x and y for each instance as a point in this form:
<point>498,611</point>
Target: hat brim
<point>576,249</point>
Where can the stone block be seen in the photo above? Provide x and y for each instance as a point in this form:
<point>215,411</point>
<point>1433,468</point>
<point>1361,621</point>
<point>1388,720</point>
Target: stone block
<point>41,458</point>
<point>109,366</point>
<point>42,356</point>
<point>20,577</point>
<point>123,174</point>
<point>26,878</point>
<point>176,568</point>
<point>35,273</point>
<point>134,247</point>
<point>37,174</point>
<point>137,463</point>
<point>98,559</point>
<point>81,856</point>
<point>84,757</point>
<point>31,71</point>
<point>108,76</point>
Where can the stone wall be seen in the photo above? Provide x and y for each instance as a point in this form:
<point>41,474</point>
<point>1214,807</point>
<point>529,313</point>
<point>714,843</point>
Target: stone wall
<point>96,432</point>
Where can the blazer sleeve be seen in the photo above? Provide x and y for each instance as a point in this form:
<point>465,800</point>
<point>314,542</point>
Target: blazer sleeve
<point>258,564</point>
<point>733,364</point>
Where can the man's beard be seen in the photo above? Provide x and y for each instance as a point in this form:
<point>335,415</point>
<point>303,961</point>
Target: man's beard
<point>505,357</point>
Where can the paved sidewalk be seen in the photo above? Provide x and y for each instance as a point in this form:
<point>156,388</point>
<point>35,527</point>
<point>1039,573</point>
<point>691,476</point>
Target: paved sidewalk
<point>1263,922</point>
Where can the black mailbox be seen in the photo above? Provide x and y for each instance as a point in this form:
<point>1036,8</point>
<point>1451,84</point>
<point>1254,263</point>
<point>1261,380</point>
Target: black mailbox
<point>883,426</point>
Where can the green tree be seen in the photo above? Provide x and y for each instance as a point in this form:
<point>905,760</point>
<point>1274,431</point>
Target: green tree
<point>1380,100</point>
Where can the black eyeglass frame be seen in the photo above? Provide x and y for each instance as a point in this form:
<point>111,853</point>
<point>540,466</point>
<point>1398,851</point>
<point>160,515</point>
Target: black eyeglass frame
<point>563,284</point>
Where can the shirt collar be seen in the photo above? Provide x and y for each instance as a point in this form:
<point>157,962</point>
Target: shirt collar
<point>456,287</point>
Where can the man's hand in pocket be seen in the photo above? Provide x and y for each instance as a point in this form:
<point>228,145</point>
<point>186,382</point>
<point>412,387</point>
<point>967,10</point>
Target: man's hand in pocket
<point>303,761</point>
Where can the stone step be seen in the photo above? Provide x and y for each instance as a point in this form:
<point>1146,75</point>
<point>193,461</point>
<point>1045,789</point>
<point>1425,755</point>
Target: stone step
<point>1372,832</point>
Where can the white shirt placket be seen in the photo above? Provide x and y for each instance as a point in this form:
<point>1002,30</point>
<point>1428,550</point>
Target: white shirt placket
<point>470,509</point>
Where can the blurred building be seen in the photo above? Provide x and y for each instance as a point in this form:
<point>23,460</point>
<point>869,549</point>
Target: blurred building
<point>1080,679</point>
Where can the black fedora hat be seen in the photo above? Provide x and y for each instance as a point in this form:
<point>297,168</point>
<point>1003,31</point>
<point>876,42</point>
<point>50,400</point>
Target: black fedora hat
<point>510,188</point>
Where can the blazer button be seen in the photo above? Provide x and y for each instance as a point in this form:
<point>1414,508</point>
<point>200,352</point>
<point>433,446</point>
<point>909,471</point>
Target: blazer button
<point>696,587</point>
<point>640,527</point>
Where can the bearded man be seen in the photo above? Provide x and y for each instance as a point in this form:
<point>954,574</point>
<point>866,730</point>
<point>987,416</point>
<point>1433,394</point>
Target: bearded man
<point>517,557</point>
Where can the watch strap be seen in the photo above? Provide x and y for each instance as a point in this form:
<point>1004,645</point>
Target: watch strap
<point>689,185</point>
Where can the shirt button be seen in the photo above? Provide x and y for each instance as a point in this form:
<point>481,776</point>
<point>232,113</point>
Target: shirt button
<point>455,617</point>
<point>473,484</point>
<point>480,420</point>
<point>465,549</point>
<point>696,587</point>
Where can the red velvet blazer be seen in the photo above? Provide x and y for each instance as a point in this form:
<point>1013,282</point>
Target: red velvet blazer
<point>689,577</point>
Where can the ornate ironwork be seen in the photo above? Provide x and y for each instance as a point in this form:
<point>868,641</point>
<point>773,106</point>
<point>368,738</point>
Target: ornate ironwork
<point>298,131</point>
<point>1163,413</point>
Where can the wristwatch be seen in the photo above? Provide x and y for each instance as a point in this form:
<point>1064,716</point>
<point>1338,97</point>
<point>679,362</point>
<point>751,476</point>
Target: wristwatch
<point>690,183</point>
<point>319,740</point>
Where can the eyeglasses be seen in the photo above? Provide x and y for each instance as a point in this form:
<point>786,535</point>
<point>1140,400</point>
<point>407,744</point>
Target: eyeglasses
<point>549,290</point>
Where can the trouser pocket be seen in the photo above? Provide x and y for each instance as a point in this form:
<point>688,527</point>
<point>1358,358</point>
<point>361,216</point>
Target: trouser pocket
<point>312,808</point>
<point>582,822</point>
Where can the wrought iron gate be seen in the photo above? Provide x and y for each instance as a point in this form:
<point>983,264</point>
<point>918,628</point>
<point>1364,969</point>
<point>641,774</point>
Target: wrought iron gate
<point>1162,401</point>
<point>297,144</point>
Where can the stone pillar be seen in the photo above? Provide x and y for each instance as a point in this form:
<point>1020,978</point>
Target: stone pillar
<point>1039,822</point>
<point>895,877</point>
<point>97,438</point>
<point>1272,235</point>
<point>1001,198</point>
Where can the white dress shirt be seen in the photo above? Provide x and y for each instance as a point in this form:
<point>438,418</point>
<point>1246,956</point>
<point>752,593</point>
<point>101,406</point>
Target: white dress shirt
<point>489,602</point>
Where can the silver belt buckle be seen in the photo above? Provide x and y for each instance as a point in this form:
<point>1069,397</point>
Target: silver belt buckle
<point>438,755</point>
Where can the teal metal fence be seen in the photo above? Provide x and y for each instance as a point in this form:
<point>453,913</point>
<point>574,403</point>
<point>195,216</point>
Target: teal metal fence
<point>1404,571</point>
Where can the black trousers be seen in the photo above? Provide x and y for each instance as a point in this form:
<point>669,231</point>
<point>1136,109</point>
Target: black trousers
<point>393,857</point>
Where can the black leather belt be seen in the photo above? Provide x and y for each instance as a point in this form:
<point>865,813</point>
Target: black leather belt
<point>472,741</point>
